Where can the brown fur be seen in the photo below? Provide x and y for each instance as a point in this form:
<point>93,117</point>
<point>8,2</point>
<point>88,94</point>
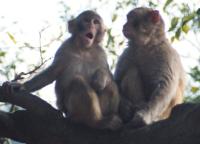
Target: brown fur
<point>149,72</point>
<point>85,88</point>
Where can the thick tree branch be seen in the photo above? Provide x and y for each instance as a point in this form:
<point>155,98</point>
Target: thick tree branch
<point>46,126</point>
<point>29,102</point>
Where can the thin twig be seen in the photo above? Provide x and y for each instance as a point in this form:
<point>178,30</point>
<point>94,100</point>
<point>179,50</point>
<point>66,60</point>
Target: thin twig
<point>20,75</point>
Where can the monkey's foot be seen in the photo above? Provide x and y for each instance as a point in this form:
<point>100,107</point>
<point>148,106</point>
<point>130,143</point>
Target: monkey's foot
<point>114,123</point>
<point>136,122</point>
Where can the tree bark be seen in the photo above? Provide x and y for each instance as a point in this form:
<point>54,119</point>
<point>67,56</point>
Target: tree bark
<point>40,123</point>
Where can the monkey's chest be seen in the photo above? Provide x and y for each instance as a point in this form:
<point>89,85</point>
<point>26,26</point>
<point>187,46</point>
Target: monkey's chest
<point>79,67</point>
<point>84,68</point>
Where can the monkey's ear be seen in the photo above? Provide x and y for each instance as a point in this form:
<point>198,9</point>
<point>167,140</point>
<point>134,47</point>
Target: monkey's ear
<point>104,28</point>
<point>155,16</point>
<point>72,26</point>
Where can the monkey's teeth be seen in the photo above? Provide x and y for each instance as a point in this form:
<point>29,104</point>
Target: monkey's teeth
<point>89,35</point>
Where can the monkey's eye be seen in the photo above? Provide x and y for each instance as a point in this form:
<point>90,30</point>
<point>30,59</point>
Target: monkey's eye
<point>96,21</point>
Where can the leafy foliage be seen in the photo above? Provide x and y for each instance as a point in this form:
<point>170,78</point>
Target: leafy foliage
<point>194,95</point>
<point>195,74</point>
<point>184,21</point>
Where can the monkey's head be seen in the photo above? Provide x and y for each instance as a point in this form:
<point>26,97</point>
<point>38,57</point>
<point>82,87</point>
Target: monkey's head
<point>143,25</point>
<point>88,28</point>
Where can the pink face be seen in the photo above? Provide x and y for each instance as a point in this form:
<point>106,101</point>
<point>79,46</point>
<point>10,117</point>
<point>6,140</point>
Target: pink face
<point>87,28</point>
<point>89,34</point>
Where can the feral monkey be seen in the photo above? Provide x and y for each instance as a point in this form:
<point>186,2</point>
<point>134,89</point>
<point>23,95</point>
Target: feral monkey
<point>149,72</point>
<point>84,86</point>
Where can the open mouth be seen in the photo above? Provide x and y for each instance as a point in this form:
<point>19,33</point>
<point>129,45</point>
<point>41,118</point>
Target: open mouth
<point>89,35</point>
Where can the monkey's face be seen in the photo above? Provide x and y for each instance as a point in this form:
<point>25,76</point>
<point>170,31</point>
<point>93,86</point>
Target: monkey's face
<point>141,24</point>
<point>88,28</point>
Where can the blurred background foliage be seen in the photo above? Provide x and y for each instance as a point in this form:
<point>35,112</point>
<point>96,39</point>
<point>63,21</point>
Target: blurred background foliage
<point>22,52</point>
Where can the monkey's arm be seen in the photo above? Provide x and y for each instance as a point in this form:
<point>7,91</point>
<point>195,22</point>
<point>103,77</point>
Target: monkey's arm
<point>159,99</point>
<point>50,73</point>
<point>102,76</point>
<point>42,79</point>
<point>121,68</point>
<point>100,79</point>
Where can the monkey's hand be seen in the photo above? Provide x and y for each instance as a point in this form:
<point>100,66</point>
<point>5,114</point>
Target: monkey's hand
<point>137,122</point>
<point>99,80</point>
<point>8,88</point>
<point>141,117</point>
<point>114,123</point>
<point>126,110</point>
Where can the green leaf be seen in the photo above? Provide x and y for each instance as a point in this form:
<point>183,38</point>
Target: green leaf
<point>194,89</point>
<point>174,23</point>
<point>166,4</point>
<point>178,33</point>
<point>13,66</point>
<point>2,54</point>
<point>152,5</point>
<point>185,28</point>
<point>121,43</point>
<point>195,73</point>
<point>43,51</point>
<point>198,11</point>
<point>113,52</point>
<point>114,17</point>
<point>173,38</point>
<point>12,37</point>
<point>187,18</point>
<point>130,2</point>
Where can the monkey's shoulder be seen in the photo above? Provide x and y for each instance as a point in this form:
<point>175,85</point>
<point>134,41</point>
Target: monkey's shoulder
<point>100,52</point>
<point>64,49</point>
<point>163,51</point>
<point>125,62</point>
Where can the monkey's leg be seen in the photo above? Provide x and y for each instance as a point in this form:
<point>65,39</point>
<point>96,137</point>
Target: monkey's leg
<point>132,94</point>
<point>82,103</point>
<point>109,102</point>
<point>97,111</point>
<point>132,86</point>
<point>100,79</point>
<point>84,106</point>
<point>178,99</point>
